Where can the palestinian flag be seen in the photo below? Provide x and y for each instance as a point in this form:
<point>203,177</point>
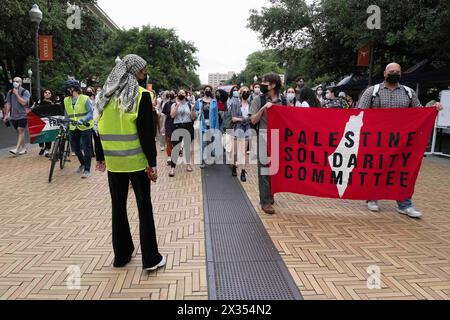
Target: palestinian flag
<point>41,128</point>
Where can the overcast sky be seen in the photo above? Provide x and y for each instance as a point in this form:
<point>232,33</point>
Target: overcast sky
<point>216,27</point>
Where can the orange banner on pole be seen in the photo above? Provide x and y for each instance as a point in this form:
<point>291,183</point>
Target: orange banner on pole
<point>46,48</point>
<point>364,57</point>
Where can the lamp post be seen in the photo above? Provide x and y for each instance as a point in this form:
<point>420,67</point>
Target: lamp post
<point>36,18</point>
<point>255,78</point>
<point>118,60</point>
<point>30,75</point>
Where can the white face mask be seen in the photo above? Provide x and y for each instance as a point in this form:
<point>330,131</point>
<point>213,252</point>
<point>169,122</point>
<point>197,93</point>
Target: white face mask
<point>257,90</point>
<point>16,85</point>
<point>290,97</point>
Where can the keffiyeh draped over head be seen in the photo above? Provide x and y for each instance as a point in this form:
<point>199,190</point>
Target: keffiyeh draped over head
<point>122,84</point>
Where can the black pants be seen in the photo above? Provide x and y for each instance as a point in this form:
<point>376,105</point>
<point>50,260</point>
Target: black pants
<point>121,235</point>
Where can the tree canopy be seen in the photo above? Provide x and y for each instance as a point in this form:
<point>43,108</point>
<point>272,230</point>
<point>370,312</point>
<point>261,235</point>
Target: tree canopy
<point>88,54</point>
<point>320,39</point>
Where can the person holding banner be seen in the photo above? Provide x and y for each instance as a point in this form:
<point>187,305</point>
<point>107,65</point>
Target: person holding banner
<point>270,89</point>
<point>391,94</point>
<point>78,109</point>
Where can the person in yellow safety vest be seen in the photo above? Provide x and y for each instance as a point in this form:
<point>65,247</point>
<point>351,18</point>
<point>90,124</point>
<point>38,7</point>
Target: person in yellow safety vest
<point>128,152</point>
<point>78,109</point>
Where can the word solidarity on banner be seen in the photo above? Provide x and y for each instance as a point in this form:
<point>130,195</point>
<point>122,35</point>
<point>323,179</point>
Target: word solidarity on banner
<point>350,154</point>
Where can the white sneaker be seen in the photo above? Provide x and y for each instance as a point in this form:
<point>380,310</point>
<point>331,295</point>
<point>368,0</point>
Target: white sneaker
<point>373,206</point>
<point>162,148</point>
<point>85,175</point>
<point>22,152</point>
<point>411,212</point>
<point>13,151</point>
<point>47,153</point>
<point>80,170</point>
<point>159,265</point>
<point>169,161</point>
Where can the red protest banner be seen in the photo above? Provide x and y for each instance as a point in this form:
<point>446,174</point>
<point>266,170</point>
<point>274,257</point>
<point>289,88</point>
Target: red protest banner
<point>364,57</point>
<point>45,48</point>
<point>349,154</point>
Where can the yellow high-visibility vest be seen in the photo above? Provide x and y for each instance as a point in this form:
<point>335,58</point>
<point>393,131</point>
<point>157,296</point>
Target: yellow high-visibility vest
<point>119,137</point>
<point>78,112</point>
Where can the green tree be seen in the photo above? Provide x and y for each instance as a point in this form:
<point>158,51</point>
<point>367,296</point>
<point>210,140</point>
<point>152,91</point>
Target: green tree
<point>171,60</point>
<point>71,47</point>
<point>321,39</point>
<point>260,63</point>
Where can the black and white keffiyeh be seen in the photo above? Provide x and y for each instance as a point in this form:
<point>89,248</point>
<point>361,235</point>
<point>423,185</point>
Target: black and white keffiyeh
<point>122,84</point>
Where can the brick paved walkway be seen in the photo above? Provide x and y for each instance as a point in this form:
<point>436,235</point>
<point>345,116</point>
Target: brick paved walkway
<point>44,229</point>
<point>329,244</point>
<point>326,244</point>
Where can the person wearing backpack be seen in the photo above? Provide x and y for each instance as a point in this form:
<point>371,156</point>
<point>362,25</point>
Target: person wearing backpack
<point>270,95</point>
<point>16,109</point>
<point>391,94</point>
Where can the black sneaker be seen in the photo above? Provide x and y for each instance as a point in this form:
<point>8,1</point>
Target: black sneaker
<point>234,171</point>
<point>243,177</point>
<point>41,152</point>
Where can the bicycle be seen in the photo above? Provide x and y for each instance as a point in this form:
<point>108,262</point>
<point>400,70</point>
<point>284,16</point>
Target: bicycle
<point>61,147</point>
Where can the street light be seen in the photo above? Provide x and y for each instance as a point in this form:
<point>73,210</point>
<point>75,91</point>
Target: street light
<point>118,60</point>
<point>255,79</point>
<point>36,18</point>
<point>30,75</point>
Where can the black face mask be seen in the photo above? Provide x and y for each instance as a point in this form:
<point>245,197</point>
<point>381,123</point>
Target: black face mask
<point>208,94</point>
<point>264,88</point>
<point>89,94</point>
<point>181,97</point>
<point>143,83</point>
<point>393,78</point>
<point>172,96</point>
<point>245,95</point>
<point>168,96</point>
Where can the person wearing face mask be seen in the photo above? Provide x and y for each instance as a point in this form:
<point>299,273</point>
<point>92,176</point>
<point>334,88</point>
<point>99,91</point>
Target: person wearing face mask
<point>78,108</point>
<point>17,101</point>
<point>270,89</point>
<point>184,115</point>
<point>128,153</point>
<point>208,111</point>
<point>391,94</point>
<point>241,127</point>
<point>291,97</point>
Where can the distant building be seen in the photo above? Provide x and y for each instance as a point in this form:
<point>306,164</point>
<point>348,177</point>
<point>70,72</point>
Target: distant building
<point>107,21</point>
<point>217,79</point>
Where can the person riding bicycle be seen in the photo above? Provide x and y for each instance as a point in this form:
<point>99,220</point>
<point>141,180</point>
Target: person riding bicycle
<point>79,110</point>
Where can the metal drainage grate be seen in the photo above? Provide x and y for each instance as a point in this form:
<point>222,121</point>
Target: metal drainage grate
<point>243,263</point>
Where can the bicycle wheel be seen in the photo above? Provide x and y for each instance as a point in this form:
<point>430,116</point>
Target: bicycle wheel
<point>54,157</point>
<point>62,152</point>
